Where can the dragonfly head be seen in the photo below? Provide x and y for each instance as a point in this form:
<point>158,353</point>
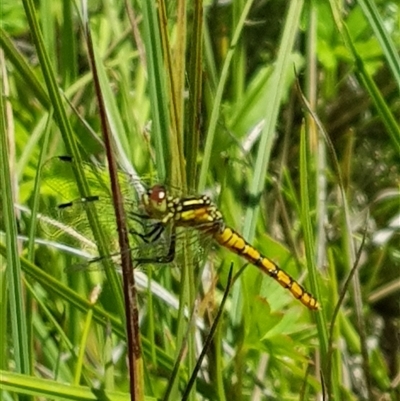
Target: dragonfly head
<point>155,201</point>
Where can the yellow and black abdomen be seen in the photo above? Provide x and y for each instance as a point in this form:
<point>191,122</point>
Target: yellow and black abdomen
<point>230,239</point>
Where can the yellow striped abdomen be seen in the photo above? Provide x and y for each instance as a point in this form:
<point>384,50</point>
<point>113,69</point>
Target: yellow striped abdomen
<point>236,243</point>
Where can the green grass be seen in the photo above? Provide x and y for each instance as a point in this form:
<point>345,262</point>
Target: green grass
<point>287,113</point>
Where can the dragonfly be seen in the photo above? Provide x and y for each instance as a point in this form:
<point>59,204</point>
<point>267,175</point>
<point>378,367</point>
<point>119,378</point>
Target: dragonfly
<point>202,214</point>
<point>64,218</point>
<point>157,211</point>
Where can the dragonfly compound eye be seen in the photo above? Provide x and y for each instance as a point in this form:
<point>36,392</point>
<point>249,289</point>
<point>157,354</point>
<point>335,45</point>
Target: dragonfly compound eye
<point>155,200</point>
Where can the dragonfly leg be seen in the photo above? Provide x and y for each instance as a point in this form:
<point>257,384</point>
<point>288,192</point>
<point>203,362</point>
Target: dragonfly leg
<point>169,257</point>
<point>138,216</point>
<point>151,236</point>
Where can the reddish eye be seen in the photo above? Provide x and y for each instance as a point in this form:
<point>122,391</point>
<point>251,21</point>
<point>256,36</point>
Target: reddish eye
<point>157,194</point>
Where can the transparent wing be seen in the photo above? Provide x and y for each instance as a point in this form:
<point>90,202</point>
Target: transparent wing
<point>58,179</point>
<point>67,216</point>
<point>68,223</point>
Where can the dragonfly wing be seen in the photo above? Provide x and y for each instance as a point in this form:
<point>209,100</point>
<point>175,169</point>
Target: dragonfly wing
<point>58,178</point>
<point>67,221</point>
